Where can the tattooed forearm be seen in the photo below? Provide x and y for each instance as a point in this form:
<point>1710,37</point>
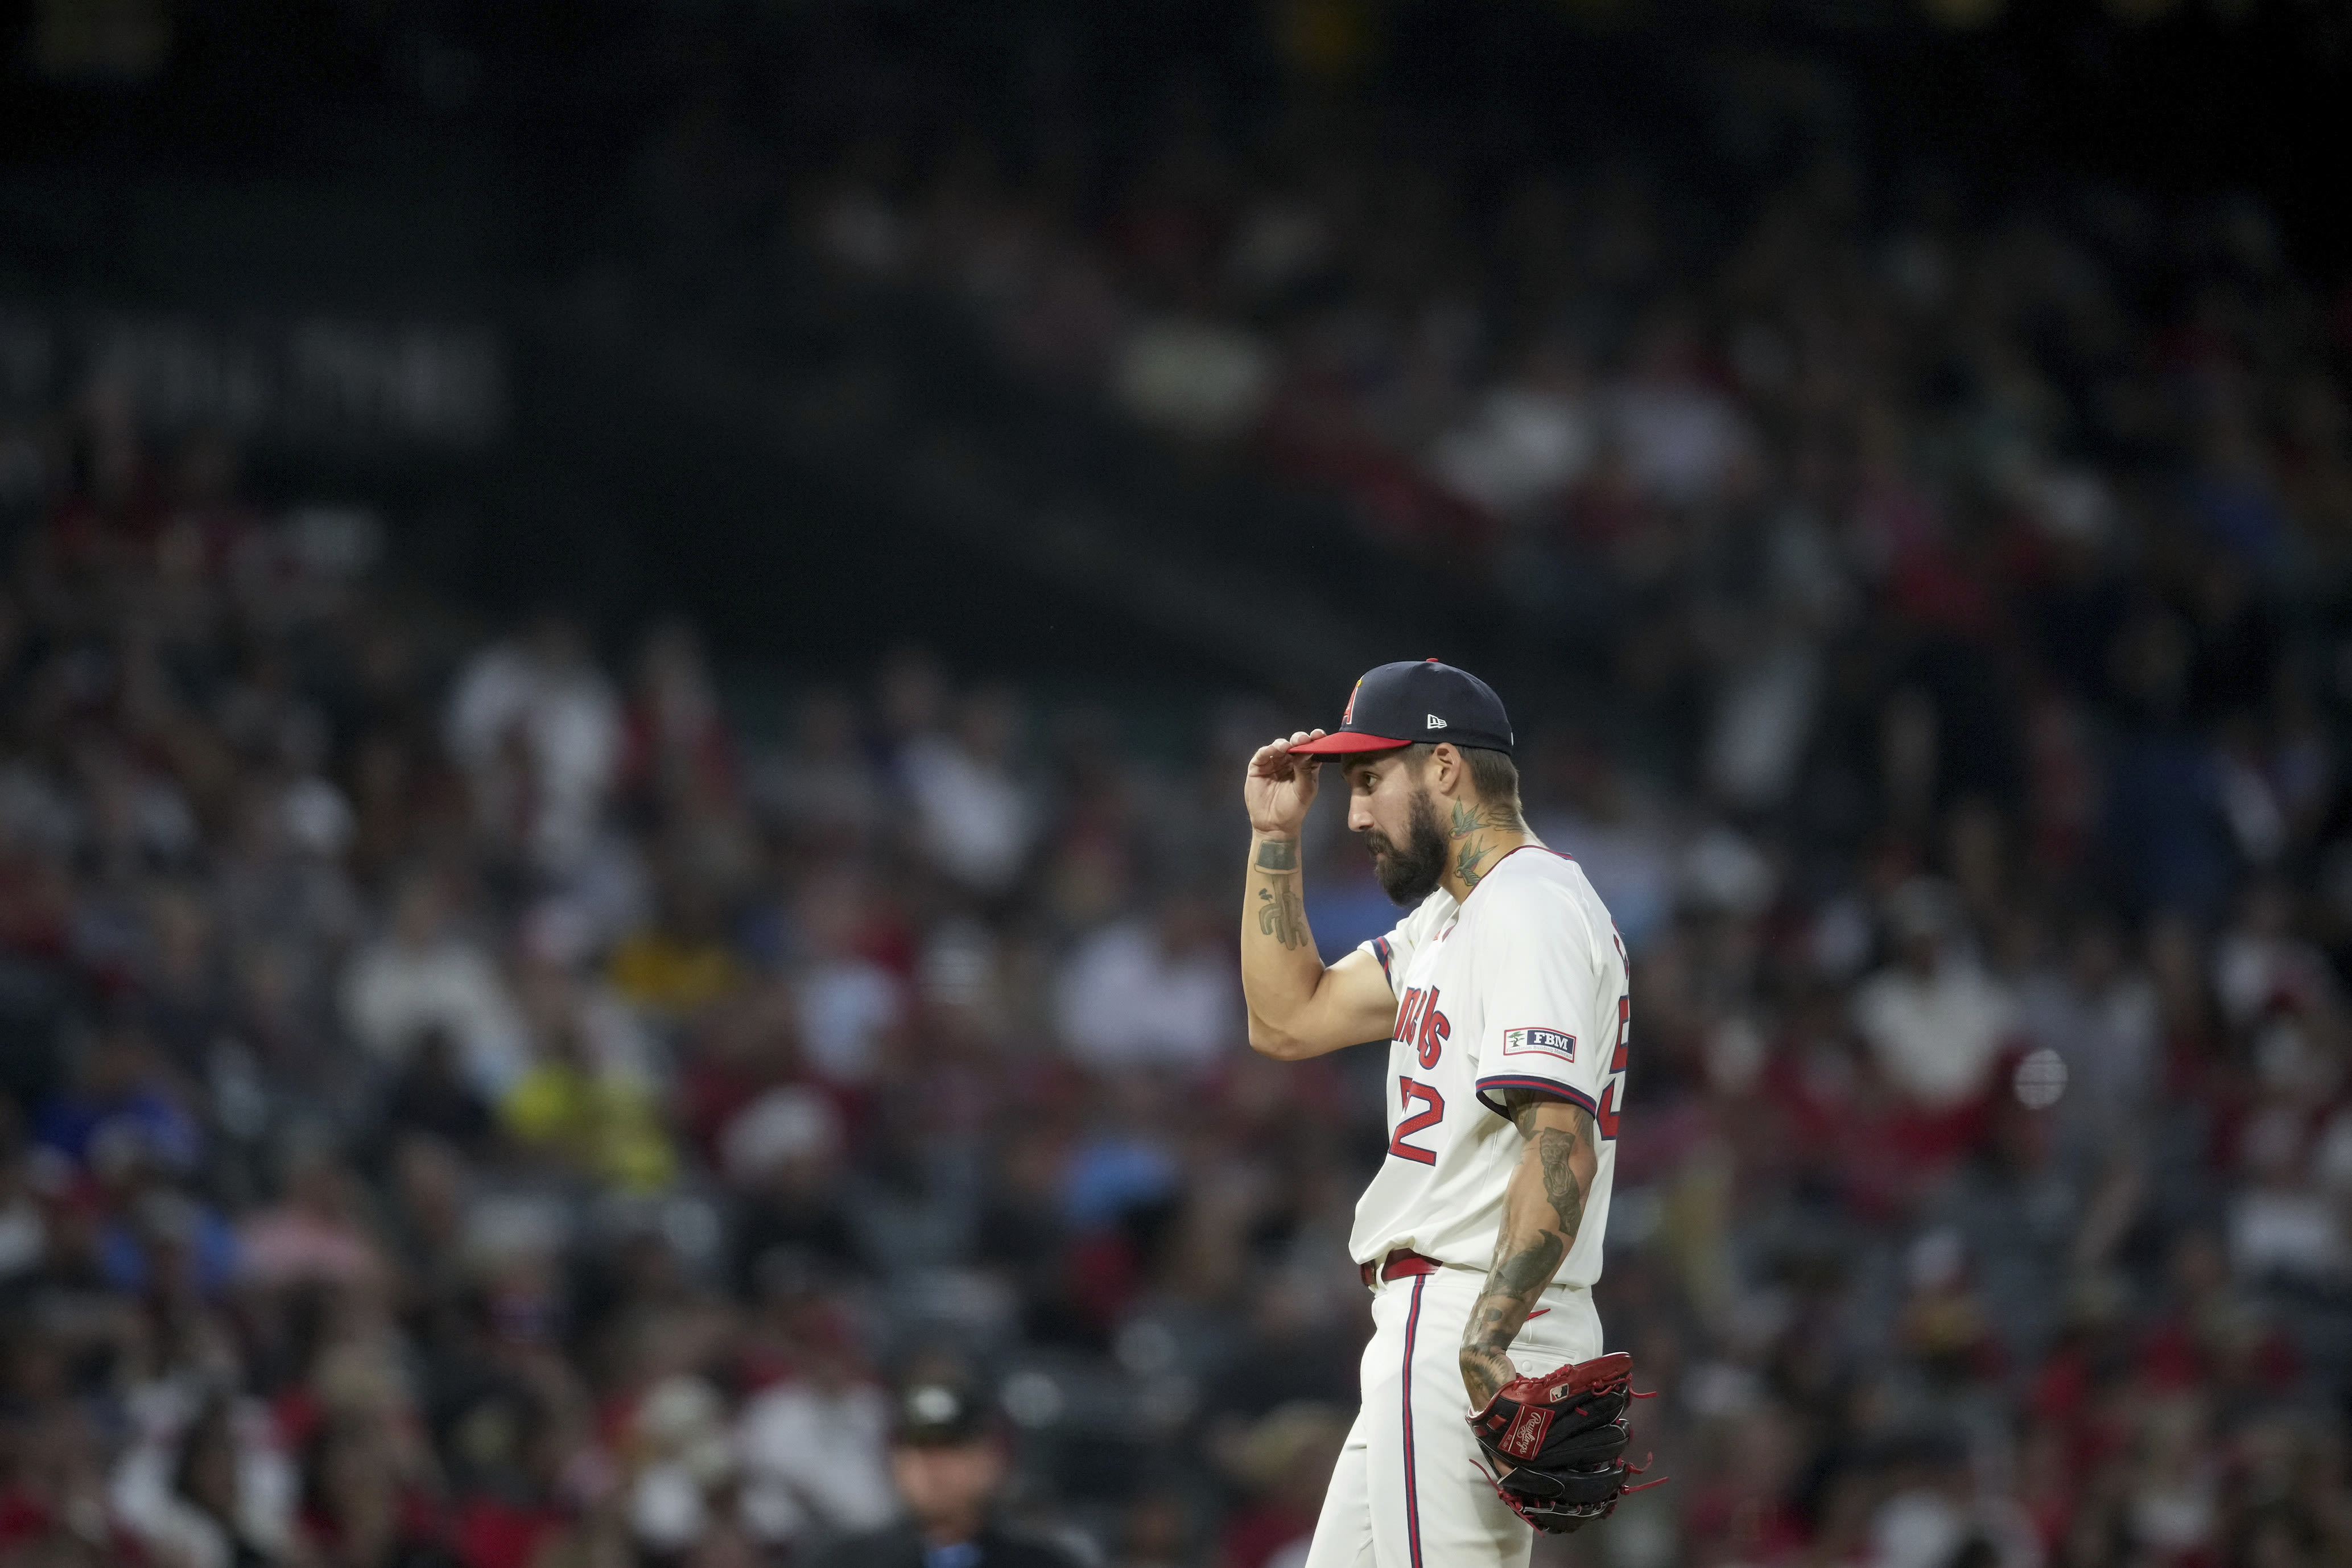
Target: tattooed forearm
<point>1520,1276</point>
<point>1557,1150</point>
<point>1557,1132</point>
<point>1513,1286</point>
<point>1555,1173</point>
<point>1278,855</point>
<point>1282,915</point>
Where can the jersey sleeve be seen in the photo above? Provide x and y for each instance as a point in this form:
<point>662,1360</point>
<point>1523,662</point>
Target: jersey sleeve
<point>1394,951</point>
<point>1541,974</point>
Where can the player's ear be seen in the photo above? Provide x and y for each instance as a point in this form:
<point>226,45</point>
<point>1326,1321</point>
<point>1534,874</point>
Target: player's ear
<point>1447,770</point>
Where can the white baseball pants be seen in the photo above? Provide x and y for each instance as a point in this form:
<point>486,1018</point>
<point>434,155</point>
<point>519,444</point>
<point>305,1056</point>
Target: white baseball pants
<point>1410,1490</point>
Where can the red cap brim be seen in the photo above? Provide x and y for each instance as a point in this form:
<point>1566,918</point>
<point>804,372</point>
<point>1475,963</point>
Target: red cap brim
<point>1346,742</point>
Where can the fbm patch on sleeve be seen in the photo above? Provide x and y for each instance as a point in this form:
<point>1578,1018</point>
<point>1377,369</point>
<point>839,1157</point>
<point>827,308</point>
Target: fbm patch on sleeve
<point>1540,1042</point>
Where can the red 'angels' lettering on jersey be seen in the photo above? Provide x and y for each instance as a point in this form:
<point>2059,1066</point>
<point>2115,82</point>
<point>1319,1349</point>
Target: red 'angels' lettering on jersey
<point>1408,1013</point>
<point>1407,1092</point>
<point>1421,1026</point>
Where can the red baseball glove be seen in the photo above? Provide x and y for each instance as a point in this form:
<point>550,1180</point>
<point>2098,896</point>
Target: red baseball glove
<point>1557,1442</point>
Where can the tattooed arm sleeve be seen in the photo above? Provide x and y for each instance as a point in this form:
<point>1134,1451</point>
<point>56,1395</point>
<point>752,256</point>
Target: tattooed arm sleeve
<point>1543,1209</point>
<point>1297,1007</point>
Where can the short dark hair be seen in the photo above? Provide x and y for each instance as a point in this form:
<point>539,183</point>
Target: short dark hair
<point>1492,774</point>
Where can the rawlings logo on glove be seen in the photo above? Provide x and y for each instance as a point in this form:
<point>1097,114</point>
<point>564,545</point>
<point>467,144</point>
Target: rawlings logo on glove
<point>1557,1442</point>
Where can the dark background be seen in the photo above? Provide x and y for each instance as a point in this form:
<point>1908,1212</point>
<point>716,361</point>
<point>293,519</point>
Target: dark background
<point>488,167</point>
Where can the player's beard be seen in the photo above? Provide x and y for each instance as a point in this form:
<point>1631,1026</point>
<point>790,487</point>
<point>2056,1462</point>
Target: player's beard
<point>1410,874</point>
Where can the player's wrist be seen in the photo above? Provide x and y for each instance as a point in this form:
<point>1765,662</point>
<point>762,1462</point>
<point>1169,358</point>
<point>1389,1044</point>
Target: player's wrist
<point>1274,851</point>
<point>1484,1372</point>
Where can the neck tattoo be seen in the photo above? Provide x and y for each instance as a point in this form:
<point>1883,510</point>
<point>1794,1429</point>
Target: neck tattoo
<point>1473,859</point>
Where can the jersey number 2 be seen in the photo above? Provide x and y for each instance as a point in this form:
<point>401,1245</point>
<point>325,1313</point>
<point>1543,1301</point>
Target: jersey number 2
<point>1407,1092</point>
<point>1613,1094</point>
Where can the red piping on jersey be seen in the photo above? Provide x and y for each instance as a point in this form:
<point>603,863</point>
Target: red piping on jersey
<point>1552,1087</point>
<point>1411,1488</point>
<point>1381,951</point>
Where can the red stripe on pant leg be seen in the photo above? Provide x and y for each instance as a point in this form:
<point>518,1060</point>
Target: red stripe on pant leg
<point>1412,1488</point>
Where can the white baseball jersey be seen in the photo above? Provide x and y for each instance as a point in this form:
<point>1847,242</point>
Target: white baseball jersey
<point>1521,986</point>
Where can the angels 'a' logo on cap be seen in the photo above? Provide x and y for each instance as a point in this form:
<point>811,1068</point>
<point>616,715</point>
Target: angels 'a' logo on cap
<point>1390,705</point>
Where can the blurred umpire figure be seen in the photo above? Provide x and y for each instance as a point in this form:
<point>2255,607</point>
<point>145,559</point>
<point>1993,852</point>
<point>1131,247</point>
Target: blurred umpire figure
<point>949,1461</point>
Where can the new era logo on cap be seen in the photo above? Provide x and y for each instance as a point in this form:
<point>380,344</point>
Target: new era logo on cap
<point>1398,703</point>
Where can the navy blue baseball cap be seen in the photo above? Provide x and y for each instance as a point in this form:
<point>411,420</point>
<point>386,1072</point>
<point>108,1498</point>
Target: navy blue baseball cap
<point>1414,700</point>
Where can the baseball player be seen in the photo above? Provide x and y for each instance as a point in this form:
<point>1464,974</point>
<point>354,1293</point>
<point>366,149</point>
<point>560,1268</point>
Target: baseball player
<point>1487,1406</point>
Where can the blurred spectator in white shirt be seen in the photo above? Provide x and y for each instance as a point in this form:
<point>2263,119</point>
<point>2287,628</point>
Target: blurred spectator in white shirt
<point>274,886</point>
<point>2259,963</point>
<point>814,1449</point>
<point>846,1001</point>
<point>1525,442</point>
<point>2284,1223</point>
<point>1682,438</point>
<point>1151,993</point>
<point>2101,1020</point>
<point>421,976</point>
<point>1936,1022</point>
<point>973,818</point>
<point>217,1494</point>
<point>1203,379</point>
<point>537,729</point>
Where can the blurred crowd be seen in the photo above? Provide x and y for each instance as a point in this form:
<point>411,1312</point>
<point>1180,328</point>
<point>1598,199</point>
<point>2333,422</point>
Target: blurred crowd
<point>1965,772</point>
<point>466,1103</point>
<point>1553,375</point>
<point>463,1105</point>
